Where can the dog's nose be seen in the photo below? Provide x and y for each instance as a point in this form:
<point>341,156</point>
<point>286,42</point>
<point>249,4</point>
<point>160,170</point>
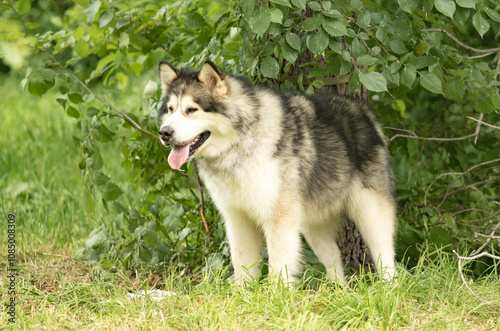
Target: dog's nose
<point>166,133</point>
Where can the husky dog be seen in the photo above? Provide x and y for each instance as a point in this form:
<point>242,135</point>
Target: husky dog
<point>279,165</point>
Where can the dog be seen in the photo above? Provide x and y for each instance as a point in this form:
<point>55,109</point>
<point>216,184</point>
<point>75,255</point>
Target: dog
<point>278,165</point>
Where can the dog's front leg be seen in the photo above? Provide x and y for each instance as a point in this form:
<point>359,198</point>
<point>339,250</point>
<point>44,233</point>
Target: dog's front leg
<point>245,241</point>
<point>283,243</point>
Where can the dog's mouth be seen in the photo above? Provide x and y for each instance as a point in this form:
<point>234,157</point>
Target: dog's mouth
<point>180,154</point>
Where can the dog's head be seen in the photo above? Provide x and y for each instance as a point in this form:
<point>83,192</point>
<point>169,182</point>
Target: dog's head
<point>192,113</point>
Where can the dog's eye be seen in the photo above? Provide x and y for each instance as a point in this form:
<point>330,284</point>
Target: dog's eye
<point>170,108</point>
<point>191,110</point>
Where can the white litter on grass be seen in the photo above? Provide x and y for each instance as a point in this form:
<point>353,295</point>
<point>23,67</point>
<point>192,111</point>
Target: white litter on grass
<point>155,295</point>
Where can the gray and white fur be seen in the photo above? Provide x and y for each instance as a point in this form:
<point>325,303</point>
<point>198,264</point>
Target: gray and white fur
<point>278,165</point>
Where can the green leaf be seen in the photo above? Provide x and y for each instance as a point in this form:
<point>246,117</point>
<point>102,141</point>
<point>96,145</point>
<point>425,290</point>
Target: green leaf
<point>92,111</point>
<point>455,90</point>
<point>354,83</point>
<point>335,46</point>
<point>364,19</point>
<point>314,5</point>
<point>73,112</point>
<point>183,234</point>
<point>392,77</point>
<point>105,134</point>
<point>494,15</point>
<point>301,4</point>
<point>99,178</point>
<point>276,15</point>
<point>150,238</point>
<point>82,48</point>
<point>111,191</point>
<point>78,33</point>
<point>334,27</point>
<point>95,162</point>
<point>153,209</point>
<point>447,7</point>
<point>374,81</point>
<point>408,6</point>
<point>285,3</point>
<point>289,53</point>
<point>38,87</point>
<point>83,3</point>
<point>92,11</point>
<point>293,40</point>
<point>440,236</point>
<point>428,5</point>
<point>318,83</point>
<point>105,18</point>
<point>466,3</point>
<point>366,60</point>
<point>124,40</point>
<point>311,23</point>
<point>96,237</point>
<point>195,21</point>
<point>260,21</point>
<point>269,67</point>
<point>408,75</point>
<point>431,82</point>
<point>86,201</point>
<point>424,61</point>
<point>318,42</point>
<point>480,23</point>
<point>23,6</point>
<point>32,26</point>
<point>398,47</point>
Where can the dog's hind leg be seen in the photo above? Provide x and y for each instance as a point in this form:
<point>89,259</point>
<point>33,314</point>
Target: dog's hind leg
<point>245,241</point>
<point>374,215</point>
<point>323,240</point>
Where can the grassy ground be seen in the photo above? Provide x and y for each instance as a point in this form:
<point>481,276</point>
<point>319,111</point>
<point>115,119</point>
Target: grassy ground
<point>41,184</point>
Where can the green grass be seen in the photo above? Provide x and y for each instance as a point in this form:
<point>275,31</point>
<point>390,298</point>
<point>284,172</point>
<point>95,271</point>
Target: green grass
<point>41,184</point>
<point>39,177</point>
<point>58,293</point>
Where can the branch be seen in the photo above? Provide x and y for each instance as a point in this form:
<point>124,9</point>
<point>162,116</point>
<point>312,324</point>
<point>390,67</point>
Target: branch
<point>480,57</point>
<point>125,116</point>
<point>487,241</point>
<point>460,174</point>
<point>415,136</point>
<point>202,202</point>
<point>469,258</point>
<point>486,236</point>
<point>475,255</point>
<point>432,138</point>
<point>478,127</point>
<point>463,174</point>
<point>468,187</point>
<point>467,222</point>
<point>483,123</point>
<point>460,258</point>
<point>461,44</point>
<point>402,130</point>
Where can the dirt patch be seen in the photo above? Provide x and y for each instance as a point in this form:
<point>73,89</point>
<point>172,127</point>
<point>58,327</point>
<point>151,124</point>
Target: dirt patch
<point>48,273</point>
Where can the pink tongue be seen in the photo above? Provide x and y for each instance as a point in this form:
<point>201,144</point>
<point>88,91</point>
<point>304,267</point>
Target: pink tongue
<point>178,156</point>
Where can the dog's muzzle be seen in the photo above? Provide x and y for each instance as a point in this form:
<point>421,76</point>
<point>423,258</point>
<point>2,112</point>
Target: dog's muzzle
<point>166,134</point>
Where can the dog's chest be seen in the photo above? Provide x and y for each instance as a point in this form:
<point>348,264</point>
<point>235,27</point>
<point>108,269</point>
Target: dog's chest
<point>251,187</point>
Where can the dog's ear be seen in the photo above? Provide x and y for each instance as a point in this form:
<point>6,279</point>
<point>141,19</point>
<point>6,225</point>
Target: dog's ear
<point>167,75</point>
<point>213,78</point>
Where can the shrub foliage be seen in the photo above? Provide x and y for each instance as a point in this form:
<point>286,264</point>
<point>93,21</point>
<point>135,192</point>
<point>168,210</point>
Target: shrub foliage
<point>432,68</point>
